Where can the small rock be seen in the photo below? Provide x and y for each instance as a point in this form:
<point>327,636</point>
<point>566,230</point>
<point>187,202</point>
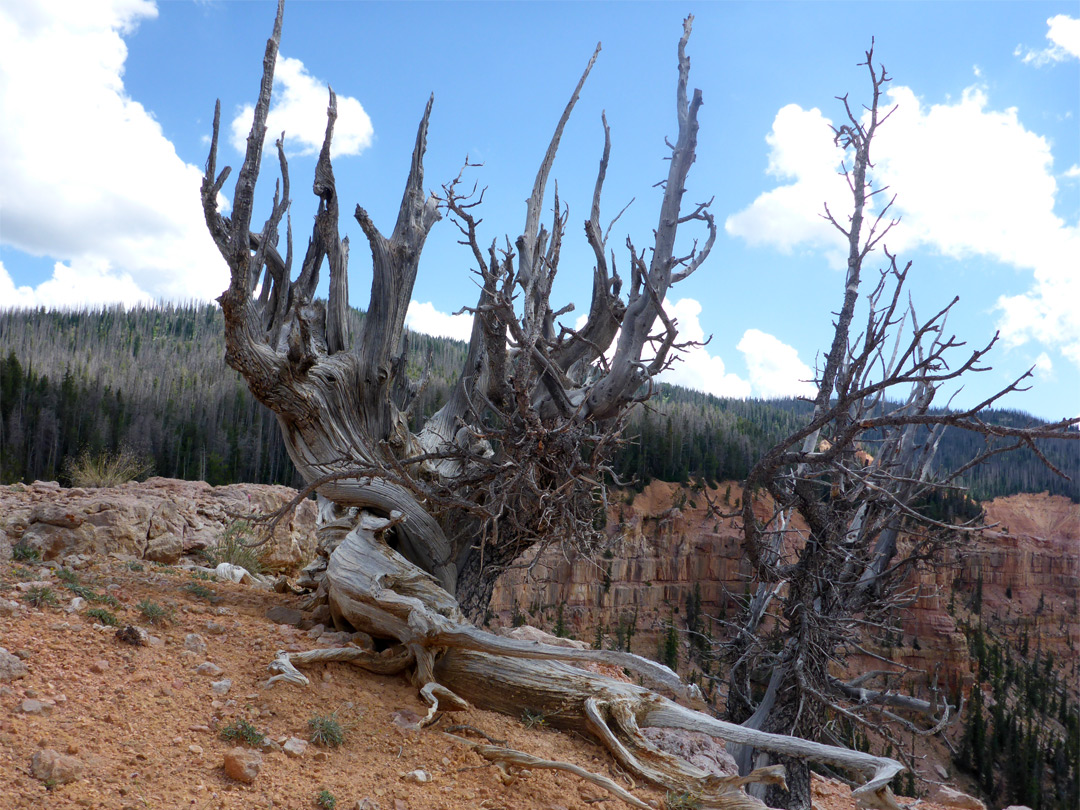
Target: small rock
<point>8,607</point>
<point>98,667</point>
<point>295,747</point>
<point>31,706</point>
<point>284,615</point>
<point>77,604</point>
<point>195,749</point>
<point>954,798</point>
<point>195,643</point>
<point>153,641</point>
<point>941,771</point>
<point>208,668</point>
<point>215,629</point>
<point>367,804</point>
<point>11,668</point>
<point>400,804</point>
<point>203,728</point>
<point>242,764</point>
<point>52,766</point>
<point>418,776</point>
<point>221,687</point>
<point>321,756</point>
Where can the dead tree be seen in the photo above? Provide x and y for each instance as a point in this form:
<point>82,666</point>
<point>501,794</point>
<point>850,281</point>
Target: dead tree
<point>852,480</point>
<point>417,524</point>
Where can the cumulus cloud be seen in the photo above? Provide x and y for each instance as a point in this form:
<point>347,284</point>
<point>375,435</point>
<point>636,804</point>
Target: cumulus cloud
<point>89,178</point>
<point>82,283</point>
<point>696,367</point>
<point>801,150</point>
<point>972,181</point>
<point>1063,32</point>
<point>298,108</point>
<point>424,317</point>
<point>774,367</point>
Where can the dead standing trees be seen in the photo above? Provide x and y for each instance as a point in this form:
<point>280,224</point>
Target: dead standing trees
<point>857,476</point>
<point>417,524</point>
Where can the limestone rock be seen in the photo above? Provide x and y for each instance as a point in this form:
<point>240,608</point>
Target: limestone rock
<point>696,748</point>
<point>52,766</point>
<point>195,643</point>
<point>284,615</point>
<point>242,764</point>
<point>221,687</point>
<point>954,798</point>
<point>208,668</point>
<point>159,519</point>
<point>11,668</point>
<point>295,747</point>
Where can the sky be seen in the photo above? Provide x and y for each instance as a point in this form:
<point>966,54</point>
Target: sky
<point>106,110</point>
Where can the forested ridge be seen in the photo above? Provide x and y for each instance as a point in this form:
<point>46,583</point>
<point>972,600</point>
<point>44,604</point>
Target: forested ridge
<point>153,380</point>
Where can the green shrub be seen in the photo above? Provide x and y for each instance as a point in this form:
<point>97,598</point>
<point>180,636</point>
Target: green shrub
<point>24,552</point>
<point>105,469</point>
<point>40,596</point>
<point>326,800</point>
<point>103,616</point>
<point>67,576</point>
<point>132,565</point>
<point>105,599</point>
<point>532,719</point>
<point>235,548</point>
<point>326,730</point>
<point>681,801</point>
<point>243,731</point>
<point>200,591</point>
<point>153,612</point>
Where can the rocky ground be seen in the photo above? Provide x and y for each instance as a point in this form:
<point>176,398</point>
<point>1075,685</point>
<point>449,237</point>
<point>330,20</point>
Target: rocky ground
<point>89,720</point>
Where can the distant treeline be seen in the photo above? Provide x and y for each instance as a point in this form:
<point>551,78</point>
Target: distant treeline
<point>154,381</point>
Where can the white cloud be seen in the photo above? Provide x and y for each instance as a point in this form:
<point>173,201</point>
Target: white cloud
<point>971,181</point>
<point>424,317</point>
<point>82,284</point>
<point>801,149</point>
<point>1044,367</point>
<point>1072,172</point>
<point>1063,32</point>
<point>89,179</point>
<point>696,367</point>
<point>298,108</point>
<point>774,367</point>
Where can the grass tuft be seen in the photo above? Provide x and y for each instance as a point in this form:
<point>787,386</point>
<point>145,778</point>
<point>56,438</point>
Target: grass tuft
<point>24,552</point>
<point>326,730</point>
<point>103,616</point>
<point>105,469</point>
<point>153,612</point>
<point>243,731</point>
<point>41,596</point>
<point>235,548</point>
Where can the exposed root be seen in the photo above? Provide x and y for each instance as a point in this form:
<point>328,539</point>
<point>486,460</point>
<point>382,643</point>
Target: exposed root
<point>373,588</point>
<point>512,757</point>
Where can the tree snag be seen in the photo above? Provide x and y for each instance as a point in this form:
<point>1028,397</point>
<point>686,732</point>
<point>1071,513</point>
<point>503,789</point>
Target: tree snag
<point>417,524</point>
<point>858,475</point>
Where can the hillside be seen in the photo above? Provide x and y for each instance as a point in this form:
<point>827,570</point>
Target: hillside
<point>997,621</point>
<point>154,381</point>
<point>87,720</point>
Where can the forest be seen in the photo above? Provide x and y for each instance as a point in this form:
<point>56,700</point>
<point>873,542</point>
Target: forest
<point>152,381</point>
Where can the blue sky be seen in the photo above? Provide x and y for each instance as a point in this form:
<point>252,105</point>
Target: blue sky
<point>106,107</point>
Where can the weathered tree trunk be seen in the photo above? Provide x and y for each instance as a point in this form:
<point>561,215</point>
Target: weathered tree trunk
<point>418,525</point>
